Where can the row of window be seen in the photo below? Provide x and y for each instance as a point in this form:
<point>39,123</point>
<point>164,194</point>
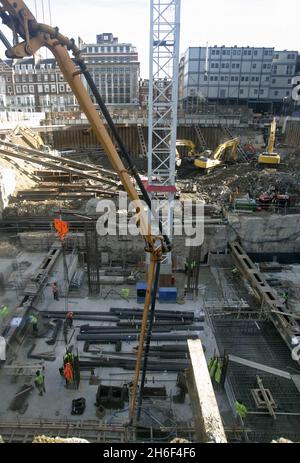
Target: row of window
<point>111,59</point>
<point>239,52</point>
<point>41,88</point>
<point>107,49</point>
<point>242,79</point>
<point>237,65</point>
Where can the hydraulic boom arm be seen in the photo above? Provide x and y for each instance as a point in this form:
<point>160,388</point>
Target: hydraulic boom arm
<point>272,137</point>
<point>21,21</point>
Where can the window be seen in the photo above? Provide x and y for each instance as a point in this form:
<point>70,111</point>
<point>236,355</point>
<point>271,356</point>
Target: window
<point>222,78</point>
<point>276,56</point>
<point>255,52</point>
<point>53,88</point>
<point>39,77</point>
<point>31,88</point>
<point>273,81</point>
<point>249,52</point>
<point>227,65</point>
<point>232,78</point>
<point>223,52</point>
<point>8,79</point>
<point>52,77</point>
<point>261,91</point>
<point>213,52</point>
<point>252,79</point>
<point>223,65</point>
<point>233,66</point>
<point>238,65</point>
<point>241,91</point>
<point>46,78</point>
<point>239,52</point>
<point>40,88</point>
<point>216,78</point>
<point>254,65</point>
<point>46,88</point>
<point>9,89</point>
<point>287,93</point>
<point>257,79</point>
<point>216,65</point>
<point>17,79</point>
<point>226,78</point>
<point>18,89</point>
<point>228,52</point>
<point>255,91</point>
<point>276,93</point>
<point>246,79</point>
<point>242,79</point>
<point>205,78</point>
<point>289,81</point>
<point>61,88</point>
<point>212,65</point>
<point>61,78</point>
<point>234,52</point>
<point>264,66</point>
<point>211,78</point>
<point>236,79</point>
<point>217,52</point>
<point>267,79</point>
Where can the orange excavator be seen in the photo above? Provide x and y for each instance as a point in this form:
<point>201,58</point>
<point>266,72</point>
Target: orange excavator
<point>29,37</point>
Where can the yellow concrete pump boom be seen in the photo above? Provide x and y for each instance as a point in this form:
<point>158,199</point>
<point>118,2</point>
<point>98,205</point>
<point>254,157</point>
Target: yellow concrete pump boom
<point>270,157</point>
<point>21,21</point>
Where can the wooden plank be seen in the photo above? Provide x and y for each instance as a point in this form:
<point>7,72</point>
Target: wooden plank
<point>208,421</point>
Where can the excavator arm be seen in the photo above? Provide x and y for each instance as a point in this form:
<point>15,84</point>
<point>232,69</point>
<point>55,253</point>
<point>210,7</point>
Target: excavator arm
<point>272,137</point>
<point>28,37</point>
<point>233,144</point>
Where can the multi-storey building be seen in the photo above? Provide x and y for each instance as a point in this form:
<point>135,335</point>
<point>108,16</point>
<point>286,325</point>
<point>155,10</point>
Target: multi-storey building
<point>36,86</point>
<point>259,76</point>
<point>115,69</point>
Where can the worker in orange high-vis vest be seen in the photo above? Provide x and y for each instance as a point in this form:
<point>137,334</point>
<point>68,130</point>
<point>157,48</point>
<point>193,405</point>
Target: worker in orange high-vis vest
<point>68,373</point>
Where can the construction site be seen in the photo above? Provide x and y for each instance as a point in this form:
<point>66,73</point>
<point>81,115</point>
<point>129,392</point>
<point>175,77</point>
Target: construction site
<point>149,337</point>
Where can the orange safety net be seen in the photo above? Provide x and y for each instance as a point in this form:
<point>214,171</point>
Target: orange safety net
<point>61,227</point>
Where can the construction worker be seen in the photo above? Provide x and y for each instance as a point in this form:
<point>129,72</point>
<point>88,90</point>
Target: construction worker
<point>69,319</point>
<point>215,369</point>
<point>241,409</point>
<point>55,291</point>
<point>34,323</point>
<point>68,373</point>
<point>68,357</point>
<point>125,293</point>
<point>286,296</point>
<point>234,270</point>
<point>4,312</point>
<point>39,382</point>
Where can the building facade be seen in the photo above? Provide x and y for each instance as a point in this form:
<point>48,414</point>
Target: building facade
<point>115,69</point>
<point>236,75</point>
<point>36,86</point>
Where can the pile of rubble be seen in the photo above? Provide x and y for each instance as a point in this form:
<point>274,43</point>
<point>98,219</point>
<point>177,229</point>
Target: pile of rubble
<point>219,185</point>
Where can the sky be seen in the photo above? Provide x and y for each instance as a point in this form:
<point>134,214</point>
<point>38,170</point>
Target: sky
<point>269,23</point>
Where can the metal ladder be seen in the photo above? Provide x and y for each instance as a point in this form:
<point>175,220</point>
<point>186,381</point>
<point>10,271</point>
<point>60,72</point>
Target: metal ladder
<point>240,149</point>
<point>201,139</point>
<point>142,140</point>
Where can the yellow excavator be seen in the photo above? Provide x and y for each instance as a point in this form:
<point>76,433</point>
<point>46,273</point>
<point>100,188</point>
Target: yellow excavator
<point>270,157</point>
<point>191,150</point>
<point>225,152</point>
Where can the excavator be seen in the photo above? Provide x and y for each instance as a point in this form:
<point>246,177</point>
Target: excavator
<point>270,157</point>
<point>225,152</point>
<point>29,37</point>
<point>191,150</point>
